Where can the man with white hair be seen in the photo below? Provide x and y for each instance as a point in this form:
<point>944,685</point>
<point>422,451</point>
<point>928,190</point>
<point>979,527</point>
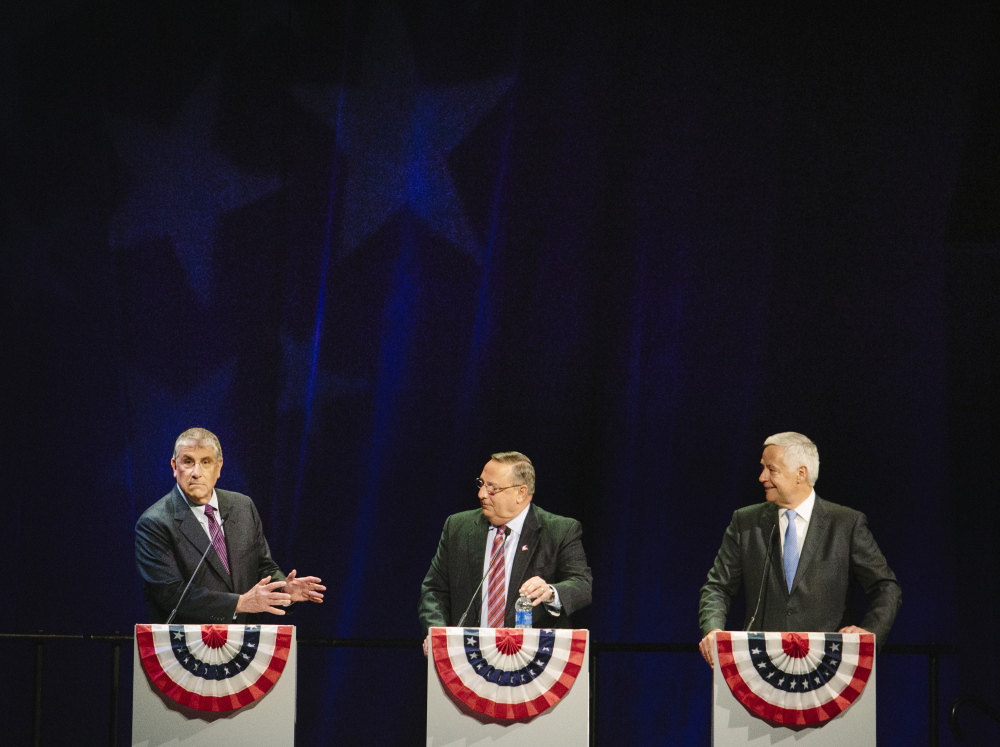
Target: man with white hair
<point>795,556</point>
<point>237,578</point>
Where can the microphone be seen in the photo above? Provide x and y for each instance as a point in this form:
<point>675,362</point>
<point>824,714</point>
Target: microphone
<point>196,569</point>
<point>498,554</point>
<point>763,579</point>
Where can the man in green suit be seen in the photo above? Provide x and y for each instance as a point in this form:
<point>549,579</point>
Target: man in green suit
<point>541,554</point>
<point>795,556</point>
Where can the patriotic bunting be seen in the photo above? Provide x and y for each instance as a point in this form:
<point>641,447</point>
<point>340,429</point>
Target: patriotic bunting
<point>796,678</point>
<point>213,667</point>
<point>508,673</point>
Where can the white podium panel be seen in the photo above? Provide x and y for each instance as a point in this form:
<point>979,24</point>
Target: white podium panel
<point>451,723</point>
<point>734,725</point>
<point>157,720</point>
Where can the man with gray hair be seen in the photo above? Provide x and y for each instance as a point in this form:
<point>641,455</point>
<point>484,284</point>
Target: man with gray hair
<point>799,582</point>
<point>511,547</point>
<point>210,543</point>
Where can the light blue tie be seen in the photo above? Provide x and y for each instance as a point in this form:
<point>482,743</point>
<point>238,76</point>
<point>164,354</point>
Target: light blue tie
<point>791,559</point>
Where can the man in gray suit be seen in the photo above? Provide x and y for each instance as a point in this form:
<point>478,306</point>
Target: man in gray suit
<point>174,533</point>
<point>541,555</point>
<point>795,557</point>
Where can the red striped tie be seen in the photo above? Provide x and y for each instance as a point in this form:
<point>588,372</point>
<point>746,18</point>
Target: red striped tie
<point>497,602</point>
<point>218,539</point>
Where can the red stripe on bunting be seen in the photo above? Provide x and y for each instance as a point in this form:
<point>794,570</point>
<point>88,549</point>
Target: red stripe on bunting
<point>211,703</point>
<point>838,703</point>
<point>508,711</point>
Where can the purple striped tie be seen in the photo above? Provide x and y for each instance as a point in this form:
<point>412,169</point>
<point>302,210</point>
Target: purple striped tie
<point>218,539</point>
<point>497,602</point>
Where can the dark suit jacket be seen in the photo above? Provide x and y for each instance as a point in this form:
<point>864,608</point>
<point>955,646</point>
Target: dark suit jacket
<point>169,542</point>
<point>838,548</point>
<point>555,552</point>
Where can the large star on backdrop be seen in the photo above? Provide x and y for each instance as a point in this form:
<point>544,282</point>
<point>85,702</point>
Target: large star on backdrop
<point>397,133</point>
<point>299,388</point>
<point>179,186</point>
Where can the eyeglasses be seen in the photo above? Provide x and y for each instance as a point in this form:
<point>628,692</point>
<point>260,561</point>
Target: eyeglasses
<point>492,490</point>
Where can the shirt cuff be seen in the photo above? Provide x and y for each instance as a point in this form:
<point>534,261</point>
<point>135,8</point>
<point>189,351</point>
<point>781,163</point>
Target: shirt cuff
<point>554,606</point>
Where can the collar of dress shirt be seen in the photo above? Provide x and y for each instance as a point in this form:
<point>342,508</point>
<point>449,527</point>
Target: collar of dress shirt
<point>805,509</point>
<point>516,524</point>
<point>199,509</point>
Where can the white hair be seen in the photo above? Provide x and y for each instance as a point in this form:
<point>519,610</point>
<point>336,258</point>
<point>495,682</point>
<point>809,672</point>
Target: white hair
<point>198,438</point>
<point>523,470</point>
<point>799,452</point>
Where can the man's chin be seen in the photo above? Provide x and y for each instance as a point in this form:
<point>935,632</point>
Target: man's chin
<point>199,498</point>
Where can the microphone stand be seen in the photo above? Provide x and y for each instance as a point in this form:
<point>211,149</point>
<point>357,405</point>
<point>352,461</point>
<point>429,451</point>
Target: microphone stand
<point>190,580</point>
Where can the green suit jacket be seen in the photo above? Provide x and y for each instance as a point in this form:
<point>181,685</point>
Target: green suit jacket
<point>550,546</point>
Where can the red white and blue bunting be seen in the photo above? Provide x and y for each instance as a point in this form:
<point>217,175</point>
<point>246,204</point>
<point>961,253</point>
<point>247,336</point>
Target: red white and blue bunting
<point>796,678</point>
<point>214,667</point>
<point>507,673</point>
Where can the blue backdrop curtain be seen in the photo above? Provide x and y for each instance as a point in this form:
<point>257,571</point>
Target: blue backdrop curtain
<point>369,243</point>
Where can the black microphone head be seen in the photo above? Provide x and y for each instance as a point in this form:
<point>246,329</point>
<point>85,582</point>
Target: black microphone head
<point>506,532</point>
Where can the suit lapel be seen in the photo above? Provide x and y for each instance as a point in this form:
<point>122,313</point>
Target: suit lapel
<point>530,532</point>
<point>818,526</point>
<point>475,547</point>
<point>769,530</point>
<point>192,529</point>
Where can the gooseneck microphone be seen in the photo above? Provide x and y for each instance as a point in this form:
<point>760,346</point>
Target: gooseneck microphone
<point>190,580</point>
<point>501,551</point>
<point>763,579</point>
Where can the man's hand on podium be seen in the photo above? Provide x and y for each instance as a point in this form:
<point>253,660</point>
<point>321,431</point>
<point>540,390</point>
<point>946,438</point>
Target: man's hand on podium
<point>707,646</point>
<point>304,588</point>
<point>853,629</point>
<point>264,597</point>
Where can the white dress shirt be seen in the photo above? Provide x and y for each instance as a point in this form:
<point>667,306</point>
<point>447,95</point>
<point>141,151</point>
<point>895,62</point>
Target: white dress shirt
<point>513,545</point>
<point>198,509</point>
<point>803,513</point>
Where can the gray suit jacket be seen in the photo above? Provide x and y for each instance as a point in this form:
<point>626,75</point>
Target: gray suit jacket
<point>554,552</point>
<point>838,548</point>
<point>169,542</point>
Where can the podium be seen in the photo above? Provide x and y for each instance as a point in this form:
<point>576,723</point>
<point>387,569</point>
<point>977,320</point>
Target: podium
<point>195,685</point>
<point>502,686</point>
<point>802,689</point>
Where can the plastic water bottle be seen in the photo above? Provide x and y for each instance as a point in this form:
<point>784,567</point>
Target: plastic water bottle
<point>522,612</point>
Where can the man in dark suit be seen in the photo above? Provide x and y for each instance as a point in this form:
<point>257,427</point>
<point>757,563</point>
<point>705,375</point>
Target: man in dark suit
<point>238,578</point>
<point>795,557</point>
<point>541,556</point>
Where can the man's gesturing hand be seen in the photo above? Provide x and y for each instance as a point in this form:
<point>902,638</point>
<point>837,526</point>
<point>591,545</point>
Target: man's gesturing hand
<point>304,588</point>
<point>264,598</point>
